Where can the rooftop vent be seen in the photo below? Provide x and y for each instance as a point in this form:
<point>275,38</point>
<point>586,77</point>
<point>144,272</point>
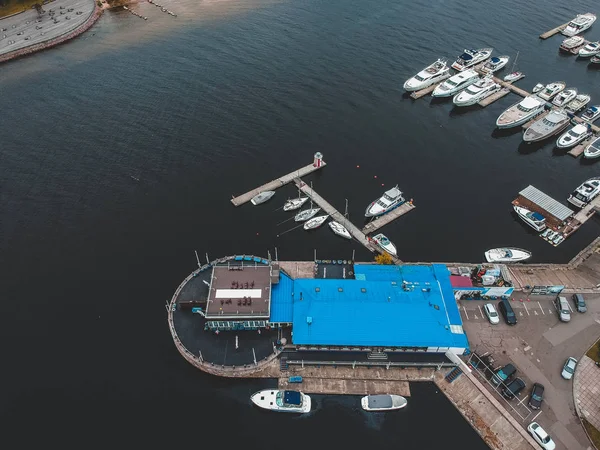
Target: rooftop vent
<point>317,289</point>
<point>363,290</point>
<point>340,289</point>
<point>308,320</point>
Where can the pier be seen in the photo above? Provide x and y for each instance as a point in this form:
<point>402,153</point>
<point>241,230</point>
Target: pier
<point>553,31</point>
<point>423,92</point>
<point>376,224</point>
<point>578,149</point>
<point>492,98</point>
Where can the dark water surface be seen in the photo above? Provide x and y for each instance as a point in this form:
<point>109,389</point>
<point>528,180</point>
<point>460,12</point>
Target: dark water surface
<point>226,96</point>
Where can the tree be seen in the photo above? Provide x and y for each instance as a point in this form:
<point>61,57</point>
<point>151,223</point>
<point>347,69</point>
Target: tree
<point>384,258</point>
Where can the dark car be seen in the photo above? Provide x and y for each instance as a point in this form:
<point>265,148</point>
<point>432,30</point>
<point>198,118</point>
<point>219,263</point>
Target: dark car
<point>537,395</point>
<point>579,303</point>
<point>507,312</point>
<point>513,388</point>
<point>503,375</point>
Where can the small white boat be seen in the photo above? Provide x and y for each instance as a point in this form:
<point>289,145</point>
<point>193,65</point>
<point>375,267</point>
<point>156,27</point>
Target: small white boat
<point>585,193</point>
<point>282,401</point>
<point>506,255</point>
<point>521,112</point>
<point>388,201</point>
<point>514,76</point>
<point>565,97</point>
<point>385,244</point>
<point>591,49</point>
<point>339,229</point>
<point>294,203</point>
<point>262,197</point>
<point>591,114</point>
<point>573,136</point>
<point>434,73</point>
<point>495,63</point>
<point>578,103</point>
<point>592,151</point>
<point>385,402</point>
<point>538,87</point>
<point>315,222</point>
<point>456,83</point>
<point>469,58</point>
<point>533,219</point>
<point>550,90</point>
<point>595,59</point>
<point>306,214</point>
<point>571,43</point>
<point>579,24</point>
<point>476,92</point>
<point>554,122</point>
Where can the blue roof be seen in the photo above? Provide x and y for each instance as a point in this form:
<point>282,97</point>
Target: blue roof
<point>282,300</point>
<point>376,310</point>
<point>537,216</point>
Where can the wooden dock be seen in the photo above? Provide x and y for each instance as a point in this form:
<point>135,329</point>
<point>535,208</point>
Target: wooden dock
<point>341,386</point>
<point>274,184</point>
<point>376,224</point>
<point>578,149</point>
<point>553,31</point>
<point>423,92</point>
<point>492,98</point>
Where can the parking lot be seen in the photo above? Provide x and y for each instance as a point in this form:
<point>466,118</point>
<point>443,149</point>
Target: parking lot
<point>538,346</point>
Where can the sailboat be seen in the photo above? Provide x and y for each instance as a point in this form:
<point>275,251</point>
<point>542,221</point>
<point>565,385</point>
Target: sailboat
<point>340,229</point>
<point>315,222</point>
<point>294,203</point>
<point>514,75</point>
<point>307,213</point>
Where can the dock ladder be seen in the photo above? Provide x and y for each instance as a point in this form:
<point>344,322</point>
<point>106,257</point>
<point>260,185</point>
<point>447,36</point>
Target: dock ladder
<point>453,375</point>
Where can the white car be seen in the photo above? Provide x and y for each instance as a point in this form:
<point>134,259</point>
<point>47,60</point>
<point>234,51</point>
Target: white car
<point>569,368</point>
<point>541,436</point>
<point>491,313</point>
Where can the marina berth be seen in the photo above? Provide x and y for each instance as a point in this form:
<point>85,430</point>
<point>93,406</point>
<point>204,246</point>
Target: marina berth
<point>591,114</point>
<point>574,136</point>
<point>506,255</point>
<point>521,112</point>
<point>595,59</point>
<point>262,197</point>
<point>569,44</point>
<point>385,244</point>
<point>555,122</point>
<point>434,73</point>
<point>470,58</point>
<point>294,203</point>
<point>538,88</point>
<point>565,97</point>
<point>339,229</point>
<point>585,193</point>
<point>579,24</point>
<point>578,103</point>
<point>533,219</point>
<point>476,92</point>
<point>550,90</point>
<point>456,83</point>
<point>315,222</point>
<point>306,214</point>
<point>282,401</point>
<point>388,201</point>
<point>591,49</point>
<point>592,151</point>
<point>385,402</point>
<point>495,64</point>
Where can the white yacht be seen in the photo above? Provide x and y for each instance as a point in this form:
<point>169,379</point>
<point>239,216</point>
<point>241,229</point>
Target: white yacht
<point>595,59</point>
<point>573,136</point>
<point>538,88</point>
<point>585,193</point>
<point>578,103</point>
<point>294,203</point>
<point>565,97</point>
<point>521,112</point>
<point>592,151</point>
<point>591,49</point>
<point>434,73</point>
<point>496,63</point>
<point>591,114</point>
<point>506,254</point>
<point>388,201</point>
<point>455,83</point>
<point>469,58</point>
<point>572,43</point>
<point>533,219</point>
<point>262,197</point>
<point>554,122</point>
<point>384,402</point>
<point>315,222</point>
<point>514,76</point>
<point>385,244</point>
<point>579,24</point>
<point>282,401</point>
<point>339,229</point>
<point>550,90</point>
<point>476,92</point>
<point>306,214</point>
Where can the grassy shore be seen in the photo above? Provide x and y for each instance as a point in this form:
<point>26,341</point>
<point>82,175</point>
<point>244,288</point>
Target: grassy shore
<point>9,7</point>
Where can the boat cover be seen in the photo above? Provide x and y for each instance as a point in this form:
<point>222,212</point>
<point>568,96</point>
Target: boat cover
<point>379,401</point>
<point>466,57</point>
<point>537,216</point>
<point>495,59</point>
<point>292,398</point>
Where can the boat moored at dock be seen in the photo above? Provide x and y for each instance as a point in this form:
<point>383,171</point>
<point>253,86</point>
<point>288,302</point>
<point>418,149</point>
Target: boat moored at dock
<point>262,197</point>
<point>578,103</point>
<point>434,73</point>
<point>506,255</point>
<point>384,402</point>
<point>388,201</point>
<point>521,112</point>
<point>591,49</point>
<point>339,229</point>
<point>591,114</point>
<point>531,218</point>
<point>555,122</point>
<point>294,203</point>
<point>595,60</point>
<point>385,244</point>
<point>550,90</point>
<point>476,92</point>
<point>282,401</point>
<point>306,214</point>
<point>470,58</point>
<point>571,43</point>
<point>579,24</point>
<point>564,97</point>
<point>592,151</point>
<point>573,136</point>
<point>456,83</point>
<point>495,63</point>
<point>315,222</point>
<point>585,193</point>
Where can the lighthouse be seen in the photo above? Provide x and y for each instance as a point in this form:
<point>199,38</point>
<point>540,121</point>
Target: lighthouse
<point>318,162</point>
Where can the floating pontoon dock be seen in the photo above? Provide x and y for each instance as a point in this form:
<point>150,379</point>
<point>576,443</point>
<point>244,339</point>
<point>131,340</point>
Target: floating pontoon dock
<point>376,224</point>
<point>553,31</point>
<point>423,92</point>
<point>578,149</point>
<point>492,98</point>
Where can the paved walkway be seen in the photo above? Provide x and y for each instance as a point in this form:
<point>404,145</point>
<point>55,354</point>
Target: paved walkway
<point>587,390</point>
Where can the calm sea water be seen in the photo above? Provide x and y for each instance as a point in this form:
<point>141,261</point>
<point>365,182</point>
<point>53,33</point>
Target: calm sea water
<point>222,98</point>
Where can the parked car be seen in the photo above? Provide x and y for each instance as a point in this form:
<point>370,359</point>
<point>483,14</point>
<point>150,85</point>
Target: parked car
<point>491,314</point>
<point>562,306</point>
<point>509,315</point>
<point>579,303</point>
<point>537,395</point>
<point>540,436</point>
<point>513,388</point>
<point>503,374</point>
<point>569,368</point>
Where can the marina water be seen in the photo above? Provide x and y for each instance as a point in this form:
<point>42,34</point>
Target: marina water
<point>121,149</point>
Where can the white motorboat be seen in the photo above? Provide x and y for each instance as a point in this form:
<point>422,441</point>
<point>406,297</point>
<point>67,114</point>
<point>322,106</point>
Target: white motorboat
<point>383,402</point>
<point>592,151</point>
<point>521,112</point>
<point>572,43</point>
<point>506,255</point>
<point>434,73</point>
<point>456,83</point>
<point>538,87</point>
<point>554,122</point>
<point>585,193</point>
<point>591,49</point>
<point>595,59</point>
<point>315,222</point>
<point>294,203</point>
<point>579,24</point>
<point>550,90</point>
<point>591,114</point>
<point>385,243</point>
<point>495,63</point>
<point>514,76</point>
<point>339,229</point>
<point>573,136</point>
<point>476,92</point>
<point>533,219</point>
<point>388,201</point>
<point>282,401</point>
<point>578,103</point>
<point>565,97</point>
<point>469,58</point>
<point>306,214</point>
<point>262,197</point>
